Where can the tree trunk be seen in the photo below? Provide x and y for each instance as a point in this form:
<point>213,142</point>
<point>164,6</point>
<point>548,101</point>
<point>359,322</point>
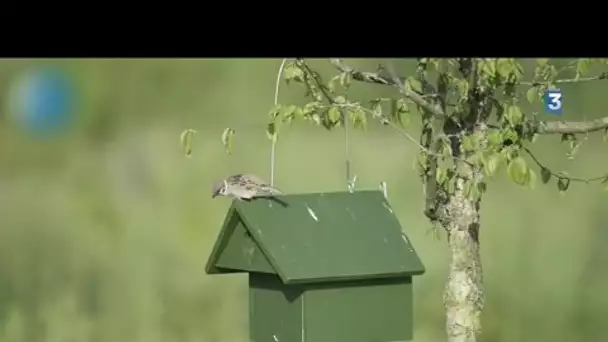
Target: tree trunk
<point>463,296</point>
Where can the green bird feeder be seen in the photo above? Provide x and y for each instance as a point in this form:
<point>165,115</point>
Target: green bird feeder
<point>324,267</point>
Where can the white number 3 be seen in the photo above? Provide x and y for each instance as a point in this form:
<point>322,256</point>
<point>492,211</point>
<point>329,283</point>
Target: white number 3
<point>556,101</point>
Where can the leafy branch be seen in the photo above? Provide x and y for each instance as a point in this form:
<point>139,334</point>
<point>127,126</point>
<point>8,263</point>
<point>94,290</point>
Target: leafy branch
<point>563,180</point>
<point>342,103</point>
<point>541,127</point>
<point>602,76</point>
<point>570,127</point>
<point>370,77</point>
<point>376,78</point>
<point>484,128</point>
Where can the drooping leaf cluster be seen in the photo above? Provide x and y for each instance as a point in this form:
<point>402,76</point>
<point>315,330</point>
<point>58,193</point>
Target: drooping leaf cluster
<point>473,124</point>
<point>479,122</point>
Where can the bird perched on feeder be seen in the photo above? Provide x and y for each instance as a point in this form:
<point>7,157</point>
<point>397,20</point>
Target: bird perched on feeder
<point>243,186</point>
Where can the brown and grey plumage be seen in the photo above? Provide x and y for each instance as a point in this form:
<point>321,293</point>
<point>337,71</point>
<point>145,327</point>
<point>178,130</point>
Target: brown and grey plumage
<point>243,186</point>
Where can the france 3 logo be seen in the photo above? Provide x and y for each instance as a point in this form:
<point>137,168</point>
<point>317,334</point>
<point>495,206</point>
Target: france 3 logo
<point>554,99</point>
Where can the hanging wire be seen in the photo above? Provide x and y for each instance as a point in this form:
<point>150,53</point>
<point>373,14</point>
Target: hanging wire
<point>350,182</point>
<point>276,103</point>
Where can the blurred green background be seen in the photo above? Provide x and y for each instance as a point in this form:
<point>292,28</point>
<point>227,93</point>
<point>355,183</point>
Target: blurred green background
<point>105,229</point>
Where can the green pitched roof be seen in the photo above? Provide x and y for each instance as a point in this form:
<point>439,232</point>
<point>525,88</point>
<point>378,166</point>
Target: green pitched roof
<point>315,237</point>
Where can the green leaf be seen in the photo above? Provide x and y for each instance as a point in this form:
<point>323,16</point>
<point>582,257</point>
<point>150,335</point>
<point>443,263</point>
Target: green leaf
<point>310,109</point>
<point>545,175</point>
<point>505,67</point>
<point>292,113</point>
<point>445,148</point>
<point>331,85</point>
<point>451,186</point>
<point>477,159</point>
<point>519,69</point>
<point>532,95</point>
<point>474,191</point>
<point>514,115</point>
<point>531,183</point>
<point>495,139</point>
<point>534,137</point>
<point>552,74</point>
<point>492,163</point>
<point>340,99</point>
<point>466,189</point>
<point>186,141</point>
<point>574,147</point>
<point>413,85</point>
<point>542,61</point>
<point>420,163</point>
<point>441,175</point>
<point>400,112</point>
<point>517,171</point>
<point>358,118</point>
<point>292,72</point>
<point>563,184</point>
<point>275,111</point>
<point>582,67</point>
<point>468,143</point>
<point>568,137</point>
<point>462,86</point>
<point>333,114</point>
<point>345,79</point>
<point>605,184</point>
<point>271,132</point>
<point>228,139</point>
<point>287,111</point>
<point>488,67</point>
<point>482,187</point>
<point>435,62</point>
<point>377,107</point>
<point>316,118</point>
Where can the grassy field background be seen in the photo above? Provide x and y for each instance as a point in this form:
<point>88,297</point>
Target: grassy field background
<point>105,230</point>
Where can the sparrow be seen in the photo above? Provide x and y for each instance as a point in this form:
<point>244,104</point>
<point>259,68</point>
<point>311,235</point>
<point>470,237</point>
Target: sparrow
<point>243,186</point>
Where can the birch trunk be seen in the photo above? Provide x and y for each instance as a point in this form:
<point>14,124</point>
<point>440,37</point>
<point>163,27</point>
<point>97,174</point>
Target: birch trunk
<point>463,296</point>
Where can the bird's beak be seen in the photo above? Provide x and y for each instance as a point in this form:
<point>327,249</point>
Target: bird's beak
<point>213,195</point>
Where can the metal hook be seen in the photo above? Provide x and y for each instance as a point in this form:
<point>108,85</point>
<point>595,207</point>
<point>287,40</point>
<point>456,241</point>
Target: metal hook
<point>351,184</point>
<point>384,188</point>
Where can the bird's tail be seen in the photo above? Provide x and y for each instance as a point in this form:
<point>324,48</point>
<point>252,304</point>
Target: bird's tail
<point>268,191</point>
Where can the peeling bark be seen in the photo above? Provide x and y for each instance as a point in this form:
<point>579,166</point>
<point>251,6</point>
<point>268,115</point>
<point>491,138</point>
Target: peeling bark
<point>463,297</point>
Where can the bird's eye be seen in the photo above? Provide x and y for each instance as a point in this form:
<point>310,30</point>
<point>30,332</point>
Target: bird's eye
<point>223,191</point>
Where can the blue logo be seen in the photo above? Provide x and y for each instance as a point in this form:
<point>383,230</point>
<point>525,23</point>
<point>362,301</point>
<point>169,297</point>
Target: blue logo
<point>43,100</point>
<point>554,102</point>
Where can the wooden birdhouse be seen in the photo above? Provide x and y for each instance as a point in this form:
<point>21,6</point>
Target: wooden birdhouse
<point>324,267</point>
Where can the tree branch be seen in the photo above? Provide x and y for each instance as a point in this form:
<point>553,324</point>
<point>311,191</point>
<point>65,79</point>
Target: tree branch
<point>384,120</point>
<point>375,78</point>
<point>371,77</point>
<point>602,76</point>
<point>572,127</point>
<point>562,175</point>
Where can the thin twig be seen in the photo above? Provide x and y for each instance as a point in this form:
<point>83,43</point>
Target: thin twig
<point>371,77</point>
<point>386,121</point>
<point>330,99</point>
<point>383,119</point>
<point>572,127</point>
<point>560,175</point>
<point>396,81</point>
<point>276,103</point>
<point>602,76</point>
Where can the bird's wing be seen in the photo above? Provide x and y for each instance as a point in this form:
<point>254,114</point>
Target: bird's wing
<point>251,182</point>
<point>251,178</point>
<point>270,189</point>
